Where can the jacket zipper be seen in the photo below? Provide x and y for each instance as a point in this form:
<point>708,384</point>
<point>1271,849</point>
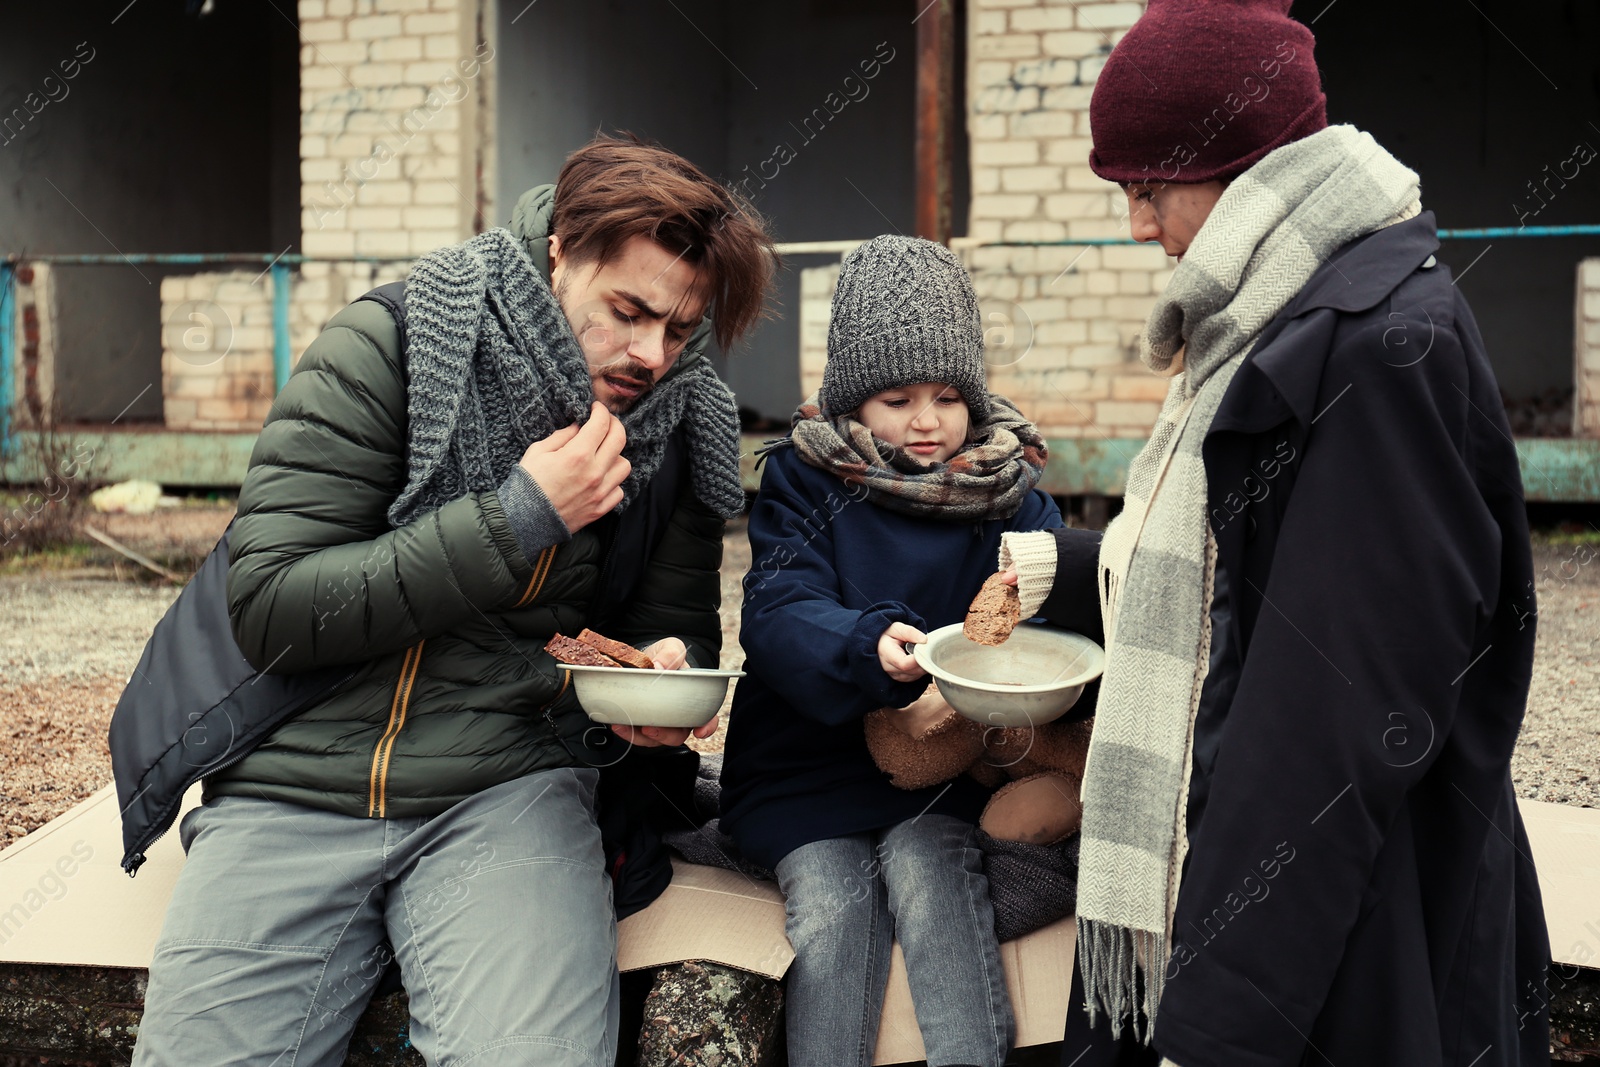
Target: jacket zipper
<point>541,571</point>
<point>378,778</point>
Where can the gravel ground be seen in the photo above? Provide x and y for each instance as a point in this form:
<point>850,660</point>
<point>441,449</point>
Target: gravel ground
<point>1558,754</point>
<point>735,562</point>
<point>69,640</point>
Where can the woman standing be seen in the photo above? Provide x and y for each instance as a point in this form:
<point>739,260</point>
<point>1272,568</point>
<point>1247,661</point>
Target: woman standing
<point>1300,840</point>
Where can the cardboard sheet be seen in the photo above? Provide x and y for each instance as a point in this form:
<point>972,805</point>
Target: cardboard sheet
<point>722,916</point>
<point>1038,975</point>
<point>708,913</point>
<point>1566,852</point>
<point>65,899</point>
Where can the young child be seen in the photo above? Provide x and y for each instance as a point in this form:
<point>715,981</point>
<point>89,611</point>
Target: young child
<point>878,519</point>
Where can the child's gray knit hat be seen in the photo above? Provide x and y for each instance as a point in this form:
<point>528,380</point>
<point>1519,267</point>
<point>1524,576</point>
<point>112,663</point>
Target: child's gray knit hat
<point>904,312</point>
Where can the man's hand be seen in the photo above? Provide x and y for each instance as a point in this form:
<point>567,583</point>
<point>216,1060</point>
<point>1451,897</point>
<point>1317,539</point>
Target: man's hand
<point>897,663</point>
<point>581,470</point>
<point>669,653</point>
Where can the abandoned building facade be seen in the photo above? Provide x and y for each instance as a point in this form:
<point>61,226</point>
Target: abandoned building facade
<point>221,219</point>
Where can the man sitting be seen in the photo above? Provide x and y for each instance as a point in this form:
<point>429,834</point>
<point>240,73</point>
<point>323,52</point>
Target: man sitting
<point>532,441</point>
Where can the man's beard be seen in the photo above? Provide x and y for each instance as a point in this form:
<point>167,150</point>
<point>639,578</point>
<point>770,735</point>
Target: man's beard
<point>628,370</point>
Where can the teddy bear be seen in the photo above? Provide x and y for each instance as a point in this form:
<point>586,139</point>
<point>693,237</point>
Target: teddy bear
<point>1039,768</point>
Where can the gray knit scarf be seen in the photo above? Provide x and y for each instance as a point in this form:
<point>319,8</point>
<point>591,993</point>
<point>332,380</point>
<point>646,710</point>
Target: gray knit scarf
<point>1275,225</point>
<point>989,479</point>
<point>493,366</point>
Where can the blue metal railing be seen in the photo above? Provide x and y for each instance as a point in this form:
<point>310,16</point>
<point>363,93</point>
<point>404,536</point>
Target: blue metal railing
<point>279,267</point>
<point>1491,233</point>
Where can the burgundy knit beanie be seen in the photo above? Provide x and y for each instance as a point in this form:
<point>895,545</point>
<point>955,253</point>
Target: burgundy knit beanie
<point>1202,89</point>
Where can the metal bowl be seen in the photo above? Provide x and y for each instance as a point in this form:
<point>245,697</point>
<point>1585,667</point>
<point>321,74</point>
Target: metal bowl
<point>1033,678</point>
<point>650,697</point>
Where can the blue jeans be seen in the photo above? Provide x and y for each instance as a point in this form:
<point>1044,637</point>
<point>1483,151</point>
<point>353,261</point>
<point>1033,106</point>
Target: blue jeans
<point>849,899</point>
<point>498,911</point>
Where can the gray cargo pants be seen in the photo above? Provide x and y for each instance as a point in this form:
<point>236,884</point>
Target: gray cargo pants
<point>499,912</point>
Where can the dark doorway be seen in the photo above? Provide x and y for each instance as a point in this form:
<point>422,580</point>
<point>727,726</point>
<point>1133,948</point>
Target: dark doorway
<point>173,133</point>
<point>1486,101</point>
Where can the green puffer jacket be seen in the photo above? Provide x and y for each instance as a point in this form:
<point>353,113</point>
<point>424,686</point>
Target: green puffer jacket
<point>443,619</point>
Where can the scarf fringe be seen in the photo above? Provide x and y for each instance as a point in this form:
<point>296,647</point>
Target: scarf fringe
<point>1124,974</point>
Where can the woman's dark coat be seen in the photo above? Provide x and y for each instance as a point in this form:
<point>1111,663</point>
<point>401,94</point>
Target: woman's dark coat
<point>1359,890</point>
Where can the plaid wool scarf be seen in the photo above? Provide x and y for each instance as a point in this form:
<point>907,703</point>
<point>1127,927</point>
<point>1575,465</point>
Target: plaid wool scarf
<point>1273,227</point>
<point>989,479</point>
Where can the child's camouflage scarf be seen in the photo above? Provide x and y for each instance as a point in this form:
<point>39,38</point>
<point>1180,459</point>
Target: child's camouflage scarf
<point>989,479</point>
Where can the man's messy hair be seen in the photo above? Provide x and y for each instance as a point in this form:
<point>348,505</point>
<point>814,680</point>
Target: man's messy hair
<point>616,188</point>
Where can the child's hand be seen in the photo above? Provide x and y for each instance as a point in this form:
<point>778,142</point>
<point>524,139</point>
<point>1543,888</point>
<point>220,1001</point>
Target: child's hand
<point>897,663</point>
<point>1008,577</point>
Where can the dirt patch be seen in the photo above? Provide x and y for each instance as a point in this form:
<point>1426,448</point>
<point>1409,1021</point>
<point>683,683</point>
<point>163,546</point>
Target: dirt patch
<point>52,749</point>
<point>735,563</point>
<point>174,536</point>
<point>67,647</point>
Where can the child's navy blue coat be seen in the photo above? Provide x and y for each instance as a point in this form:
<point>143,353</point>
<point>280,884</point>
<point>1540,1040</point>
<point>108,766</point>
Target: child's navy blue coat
<point>829,573</point>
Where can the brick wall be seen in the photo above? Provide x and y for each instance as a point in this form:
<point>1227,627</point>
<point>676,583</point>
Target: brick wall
<point>1586,358</point>
<point>216,337</point>
<point>216,350</point>
<point>395,147</point>
<point>816,297</point>
<point>1061,323</point>
<point>390,99</point>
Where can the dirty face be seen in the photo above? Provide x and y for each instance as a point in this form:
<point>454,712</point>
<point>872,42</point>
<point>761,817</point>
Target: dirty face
<point>929,420</point>
<point>1170,214</point>
<point>632,315</point>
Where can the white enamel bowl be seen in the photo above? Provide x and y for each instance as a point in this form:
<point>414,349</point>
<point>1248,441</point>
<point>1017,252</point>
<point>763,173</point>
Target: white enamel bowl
<point>647,697</point>
<point>1033,678</point>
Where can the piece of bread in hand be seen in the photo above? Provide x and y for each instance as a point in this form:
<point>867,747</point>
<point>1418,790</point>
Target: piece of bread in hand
<point>577,653</point>
<point>994,613</point>
<point>626,655</point>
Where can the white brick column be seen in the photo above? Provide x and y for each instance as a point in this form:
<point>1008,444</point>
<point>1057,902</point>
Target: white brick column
<point>816,302</point>
<point>1032,70</point>
<point>390,98</point>
<point>1586,343</point>
<point>216,350</point>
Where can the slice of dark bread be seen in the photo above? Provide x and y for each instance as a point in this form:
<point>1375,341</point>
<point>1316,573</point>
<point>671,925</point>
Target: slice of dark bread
<point>994,613</point>
<point>577,653</point>
<point>626,655</point>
